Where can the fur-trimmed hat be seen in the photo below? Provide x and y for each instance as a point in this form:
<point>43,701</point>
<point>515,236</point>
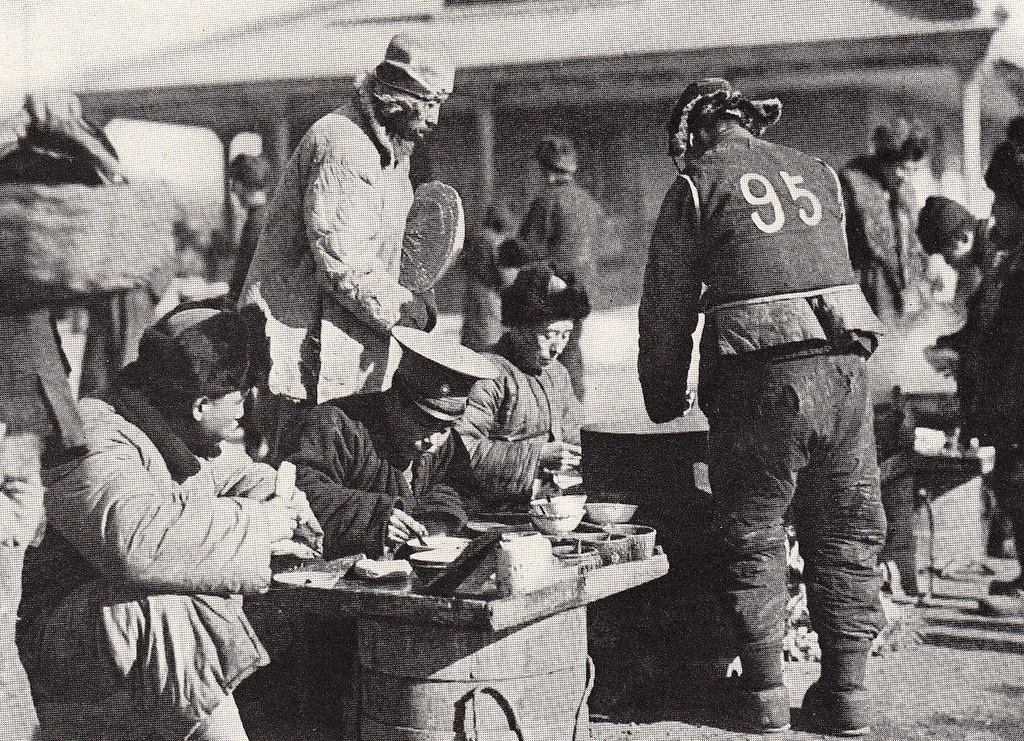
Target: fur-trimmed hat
<point>942,220</point>
<point>541,295</point>
<point>411,66</point>
<point>902,140</point>
<point>557,153</point>
<point>717,95</point>
<point>191,353</point>
<point>1005,172</point>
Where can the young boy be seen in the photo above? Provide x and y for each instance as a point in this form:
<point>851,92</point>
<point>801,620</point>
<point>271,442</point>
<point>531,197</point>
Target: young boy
<point>948,232</point>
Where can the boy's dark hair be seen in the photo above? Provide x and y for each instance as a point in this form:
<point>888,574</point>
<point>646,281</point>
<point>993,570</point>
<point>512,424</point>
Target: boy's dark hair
<point>941,221</point>
<point>252,171</point>
<point>541,295</point>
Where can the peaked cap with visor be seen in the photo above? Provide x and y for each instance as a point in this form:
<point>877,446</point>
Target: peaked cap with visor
<point>437,374</point>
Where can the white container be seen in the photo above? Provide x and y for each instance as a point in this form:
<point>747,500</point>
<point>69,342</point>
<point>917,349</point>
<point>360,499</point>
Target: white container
<point>525,563</point>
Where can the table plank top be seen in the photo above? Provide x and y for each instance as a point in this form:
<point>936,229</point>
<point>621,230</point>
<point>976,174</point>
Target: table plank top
<point>403,602</point>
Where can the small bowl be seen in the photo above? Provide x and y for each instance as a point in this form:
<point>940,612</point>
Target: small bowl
<point>616,549</point>
<point>573,555</point>
<point>431,564</point>
<point>555,525</point>
<point>568,504</point>
<point>437,542</point>
<point>642,538</point>
<point>609,513</point>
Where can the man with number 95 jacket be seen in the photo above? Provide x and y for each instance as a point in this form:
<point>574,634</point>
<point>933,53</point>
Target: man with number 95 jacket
<point>783,383</point>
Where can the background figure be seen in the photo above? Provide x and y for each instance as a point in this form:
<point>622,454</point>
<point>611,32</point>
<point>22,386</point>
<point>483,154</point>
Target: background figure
<point>881,218</point>
<point>564,226</point>
<point>21,514</point>
<point>249,178</point>
<point>55,146</point>
<point>994,353</point>
<point>481,313</point>
<point>326,269</point>
<point>950,236</point>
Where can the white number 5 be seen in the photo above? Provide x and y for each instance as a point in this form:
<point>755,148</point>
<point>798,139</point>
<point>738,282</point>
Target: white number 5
<point>770,198</point>
<point>793,182</point>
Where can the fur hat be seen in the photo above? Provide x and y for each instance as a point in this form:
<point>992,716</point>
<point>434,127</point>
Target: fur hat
<point>716,95</point>
<point>941,220</point>
<point>902,140</point>
<point>193,352</point>
<point>410,66</point>
<point>1005,172</point>
<point>540,295</point>
<point>557,153</point>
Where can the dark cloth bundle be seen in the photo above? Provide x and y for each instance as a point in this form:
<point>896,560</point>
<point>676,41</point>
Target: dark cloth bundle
<point>65,241</point>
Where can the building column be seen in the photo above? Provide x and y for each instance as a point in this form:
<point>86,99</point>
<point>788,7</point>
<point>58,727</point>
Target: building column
<point>277,143</point>
<point>485,132</point>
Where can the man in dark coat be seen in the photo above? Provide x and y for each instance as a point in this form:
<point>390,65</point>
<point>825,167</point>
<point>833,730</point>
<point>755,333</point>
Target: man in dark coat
<point>249,177</point>
<point>783,383</point>
<point>382,468</point>
<point>997,359</point>
<point>564,226</point>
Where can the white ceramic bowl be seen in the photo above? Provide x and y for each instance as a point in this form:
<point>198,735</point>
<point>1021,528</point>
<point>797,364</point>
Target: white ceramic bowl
<point>557,525</point>
<point>435,542</point>
<point>609,513</point>
<point>568,504</point>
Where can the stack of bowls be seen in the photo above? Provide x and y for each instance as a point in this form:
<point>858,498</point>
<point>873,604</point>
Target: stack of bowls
<point>558,515</point>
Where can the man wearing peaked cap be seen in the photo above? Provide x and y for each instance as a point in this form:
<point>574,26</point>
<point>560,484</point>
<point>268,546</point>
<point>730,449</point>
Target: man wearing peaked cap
<point>382,468</point>
<point>327,266</point>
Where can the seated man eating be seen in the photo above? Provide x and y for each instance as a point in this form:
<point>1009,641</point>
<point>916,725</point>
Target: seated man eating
<point>527,420</point>
<point>382,468</point>
<point>153,536</point>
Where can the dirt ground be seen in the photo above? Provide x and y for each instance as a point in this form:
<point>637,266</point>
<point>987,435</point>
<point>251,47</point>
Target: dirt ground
<point>924,694</point>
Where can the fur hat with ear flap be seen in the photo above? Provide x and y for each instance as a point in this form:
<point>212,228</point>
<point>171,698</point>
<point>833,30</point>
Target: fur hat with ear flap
<point>541,295</point>
<point>902,140</point>
<point>193,352</point>
<point>714,95</point>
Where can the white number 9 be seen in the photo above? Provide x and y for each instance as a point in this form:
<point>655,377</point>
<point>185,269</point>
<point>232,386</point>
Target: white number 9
<point>768,198</point>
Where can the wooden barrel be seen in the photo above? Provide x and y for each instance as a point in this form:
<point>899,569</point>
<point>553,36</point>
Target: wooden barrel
<point>443,683</point>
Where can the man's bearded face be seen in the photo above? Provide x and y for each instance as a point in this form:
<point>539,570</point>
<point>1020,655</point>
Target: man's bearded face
<point>413,121</point>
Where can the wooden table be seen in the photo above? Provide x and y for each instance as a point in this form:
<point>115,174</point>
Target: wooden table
<point>433,668</point>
